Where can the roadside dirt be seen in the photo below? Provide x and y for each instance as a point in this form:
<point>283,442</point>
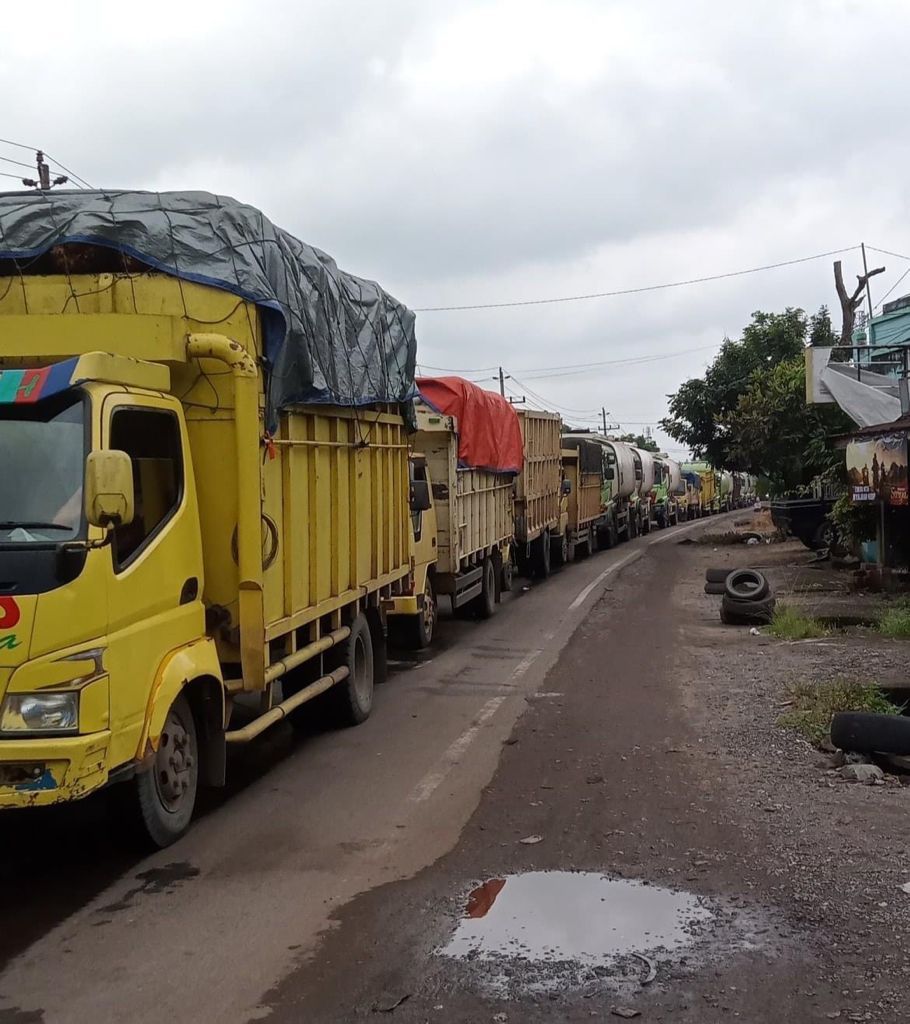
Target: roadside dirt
<point>652,753</point>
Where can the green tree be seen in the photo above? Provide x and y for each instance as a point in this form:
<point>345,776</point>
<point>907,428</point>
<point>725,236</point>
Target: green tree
<point>773,432</point>
<point>699,409</point>
<point>749,411</point>
<point>647,444</point>
<point>821,331</point>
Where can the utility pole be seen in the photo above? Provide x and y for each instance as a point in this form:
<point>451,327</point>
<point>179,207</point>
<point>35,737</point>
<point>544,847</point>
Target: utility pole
<point>603,414</point>
<point>44,183</point>
<point>502,383</point>
<point>862,246</point>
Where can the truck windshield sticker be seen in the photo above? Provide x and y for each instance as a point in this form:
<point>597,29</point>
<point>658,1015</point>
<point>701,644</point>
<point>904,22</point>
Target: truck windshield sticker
<point>21,386</point>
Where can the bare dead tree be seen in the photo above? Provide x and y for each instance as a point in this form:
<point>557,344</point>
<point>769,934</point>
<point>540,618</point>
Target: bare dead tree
<point>849,304</point>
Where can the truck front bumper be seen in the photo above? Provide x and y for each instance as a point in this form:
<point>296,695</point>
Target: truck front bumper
<point>51,770</point>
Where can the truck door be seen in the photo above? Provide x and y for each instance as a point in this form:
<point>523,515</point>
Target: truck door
<point>155,570</point>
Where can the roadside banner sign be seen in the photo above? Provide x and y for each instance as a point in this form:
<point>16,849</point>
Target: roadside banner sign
<point>877,469</point>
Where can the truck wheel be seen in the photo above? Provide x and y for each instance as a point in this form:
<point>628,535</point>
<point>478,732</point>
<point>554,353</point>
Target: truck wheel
<point>166,793</point>
<point>505,577</point>
<point>646,523</point>
<point>417,630</point>
<point>559,550</point>
<point>485,603</point>
<point>542,555</point>
<point>351,701</point>
<point>593,539</point>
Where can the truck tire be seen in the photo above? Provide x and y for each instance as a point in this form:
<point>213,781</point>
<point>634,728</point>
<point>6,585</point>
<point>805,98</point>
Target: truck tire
<point>484,605</point>
<point>593,539</point>
<point>559,550</point>
<point>415,632</point>
<point>505,577</point>
<point>541,556</point>
<point>868,733</point>
<point>165,795</point>
<point>646,523</point>
<point>351,701</point>
<point>746,585</point>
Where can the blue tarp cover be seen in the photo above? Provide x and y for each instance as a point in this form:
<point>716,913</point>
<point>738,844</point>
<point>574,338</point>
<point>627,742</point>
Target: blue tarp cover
<point>330,337</point>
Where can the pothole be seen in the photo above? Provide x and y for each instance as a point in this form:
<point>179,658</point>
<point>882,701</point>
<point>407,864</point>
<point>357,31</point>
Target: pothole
<point>547,930</point>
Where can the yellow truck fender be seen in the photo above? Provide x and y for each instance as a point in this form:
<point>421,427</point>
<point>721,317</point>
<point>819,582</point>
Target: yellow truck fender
<point>196,669</point>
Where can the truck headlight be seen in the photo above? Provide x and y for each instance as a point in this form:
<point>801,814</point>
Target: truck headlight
<point>40,712</point>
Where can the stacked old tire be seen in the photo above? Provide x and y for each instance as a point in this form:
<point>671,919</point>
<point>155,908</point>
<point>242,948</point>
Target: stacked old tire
<point>746,598</point>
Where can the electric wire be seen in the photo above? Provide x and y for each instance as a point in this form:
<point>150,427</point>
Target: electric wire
<point>638,290</point>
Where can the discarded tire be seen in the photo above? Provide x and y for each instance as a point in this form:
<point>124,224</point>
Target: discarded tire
<point>714,588</point>
<point>736,612</point>
<point>867,733</point>
<point>716,575</point>
<point>746,585</point>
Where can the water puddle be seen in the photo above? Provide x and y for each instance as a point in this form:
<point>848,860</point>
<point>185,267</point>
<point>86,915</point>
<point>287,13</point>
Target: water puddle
<point>545,931</point>
<point>565,915</point>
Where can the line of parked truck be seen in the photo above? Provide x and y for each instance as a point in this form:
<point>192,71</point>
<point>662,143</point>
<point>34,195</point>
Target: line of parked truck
<point>221,486</point>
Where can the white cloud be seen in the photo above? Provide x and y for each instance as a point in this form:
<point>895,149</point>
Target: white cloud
<point>485,151</point>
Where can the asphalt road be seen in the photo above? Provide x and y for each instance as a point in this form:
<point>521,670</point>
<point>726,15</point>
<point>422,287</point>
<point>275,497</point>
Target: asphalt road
<point>209,927</point>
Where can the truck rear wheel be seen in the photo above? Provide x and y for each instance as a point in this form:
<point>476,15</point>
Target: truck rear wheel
<point>541,555</point>
<point>165,795</point>
<point>559,549</point>
<point>485,602</point>
<point>351,701</point>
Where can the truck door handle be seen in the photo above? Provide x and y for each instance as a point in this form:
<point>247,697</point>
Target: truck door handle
<point>190,590</point>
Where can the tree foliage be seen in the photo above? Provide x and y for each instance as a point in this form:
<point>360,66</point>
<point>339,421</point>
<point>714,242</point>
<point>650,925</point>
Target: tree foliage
<point>749,411</point>
<point>647,444</point>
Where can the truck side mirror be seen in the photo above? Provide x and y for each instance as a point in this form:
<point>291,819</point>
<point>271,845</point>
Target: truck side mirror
<point>608,473</point>
<point>566,488</point>
<point>109,497</point>
<point>420,495</point>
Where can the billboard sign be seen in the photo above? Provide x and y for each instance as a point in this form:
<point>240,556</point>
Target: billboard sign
<point>877,469</point>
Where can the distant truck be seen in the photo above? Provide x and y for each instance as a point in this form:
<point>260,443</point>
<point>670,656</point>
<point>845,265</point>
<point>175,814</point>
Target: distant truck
<point>200,552</point>
<point>541,515</point>
<point>582,461</point>
<point>624,512</point>
<point>461,511</point>
<point>668,496</point>
<point>710,492</point>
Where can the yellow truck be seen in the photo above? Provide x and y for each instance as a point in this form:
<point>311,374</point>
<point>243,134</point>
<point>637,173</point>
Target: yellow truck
<point>186,557</point>
<point>582,463</point>
<point>540,509</point>
<point>462,531</point>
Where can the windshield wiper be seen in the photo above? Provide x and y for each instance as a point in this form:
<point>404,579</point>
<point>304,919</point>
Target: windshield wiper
<point>10,525</point>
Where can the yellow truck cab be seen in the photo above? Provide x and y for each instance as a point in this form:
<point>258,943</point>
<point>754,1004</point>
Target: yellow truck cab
<point>177,573</point>
<point>462,524</point>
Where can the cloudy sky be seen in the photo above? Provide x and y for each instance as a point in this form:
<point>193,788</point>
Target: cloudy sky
<point>479,152</point>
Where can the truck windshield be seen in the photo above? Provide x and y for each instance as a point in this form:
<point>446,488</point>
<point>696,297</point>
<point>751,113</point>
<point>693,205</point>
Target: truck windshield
<point>43,452</point>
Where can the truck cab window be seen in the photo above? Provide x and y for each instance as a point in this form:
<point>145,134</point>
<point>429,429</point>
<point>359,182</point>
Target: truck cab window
<point>151,438</point>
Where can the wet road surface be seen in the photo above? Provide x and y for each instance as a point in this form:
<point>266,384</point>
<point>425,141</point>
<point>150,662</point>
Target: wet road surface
<point>217,925</point>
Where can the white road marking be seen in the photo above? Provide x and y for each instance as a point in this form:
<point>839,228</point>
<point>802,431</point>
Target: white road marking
<point>586,593</point>
<point>432,780</point>
<point>456,751</point>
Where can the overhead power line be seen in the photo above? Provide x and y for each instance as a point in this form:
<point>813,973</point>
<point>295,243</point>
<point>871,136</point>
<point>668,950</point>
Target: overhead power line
<point>886,252</point>
<point>643,288</point>
<point>881,301</point>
